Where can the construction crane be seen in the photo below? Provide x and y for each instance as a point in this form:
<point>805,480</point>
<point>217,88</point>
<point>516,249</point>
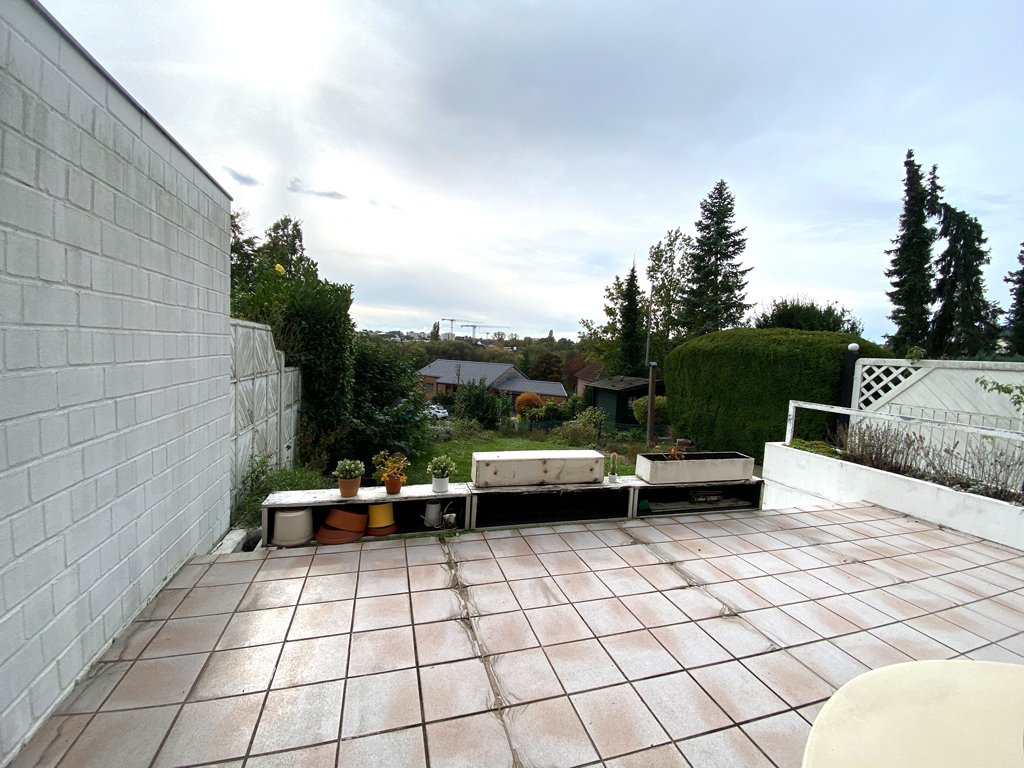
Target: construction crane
<point>451,324</point>
<point>474,326</point>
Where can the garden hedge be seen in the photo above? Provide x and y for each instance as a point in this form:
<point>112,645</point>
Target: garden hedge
<point>730,390</point>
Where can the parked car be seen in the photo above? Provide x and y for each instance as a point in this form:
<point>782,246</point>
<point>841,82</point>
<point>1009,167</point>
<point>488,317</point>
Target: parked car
<point>436,411</point>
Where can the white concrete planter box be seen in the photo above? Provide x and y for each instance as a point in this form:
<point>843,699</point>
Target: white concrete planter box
<point>695,467</point>
<point>496,469</point>
<point>795,478</point>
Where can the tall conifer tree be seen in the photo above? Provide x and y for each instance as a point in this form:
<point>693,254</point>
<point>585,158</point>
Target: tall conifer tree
<point>713,299</point>
<point>1015,317</point>
<point>964,323</point>
<point>910,268</point>
<point>630,357</point>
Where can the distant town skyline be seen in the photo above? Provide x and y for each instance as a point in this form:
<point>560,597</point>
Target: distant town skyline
<point>504,161</point>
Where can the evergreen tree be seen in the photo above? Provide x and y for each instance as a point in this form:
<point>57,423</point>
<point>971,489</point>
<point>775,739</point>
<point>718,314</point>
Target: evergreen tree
<point>713,300</point>
<point>629,360</point>
<point>964,323</point>
<point>1015,317</point>
<point>910,268</point>
<point>435,331</point>
<point>806,315</point>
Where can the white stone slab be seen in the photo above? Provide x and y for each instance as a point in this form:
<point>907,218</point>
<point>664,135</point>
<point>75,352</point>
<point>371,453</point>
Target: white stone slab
<point>493,469</point>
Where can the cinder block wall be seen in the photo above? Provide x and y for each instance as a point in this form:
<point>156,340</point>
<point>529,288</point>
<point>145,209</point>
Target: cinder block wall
<point>114,347</point>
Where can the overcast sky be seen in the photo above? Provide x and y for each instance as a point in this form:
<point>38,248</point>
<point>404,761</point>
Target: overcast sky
<point>501,162</point>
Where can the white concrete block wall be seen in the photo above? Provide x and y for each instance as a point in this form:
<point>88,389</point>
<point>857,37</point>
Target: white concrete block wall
<point>115,405</point>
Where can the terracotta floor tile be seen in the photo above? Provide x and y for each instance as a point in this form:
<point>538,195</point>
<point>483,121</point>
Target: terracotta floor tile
<point>336,562</point>
<point>256,628</point>
<point>207,731</point>
<point>614,537</point>
<point>607,617</point>
<point>434,605</point>
<point>681,706</point>
<point>652,609</point>
<point>855,611</point>
<point>737,597</point>
<point>998,612</point>
<point>181,636</point>
<point>697,602</point>
<point>298,717</point>
<point>780,627</point>
<point>524,676</point>
<point>810,712</point>
<point>870,650</point>
<point>235,672</point>
<point>473,572</point>
<point>578,587</point>
<point>503,632</point>
<point>163,605</point>
<point>396,748</point>
<point>831,664</point>
<point>736,567</point>
<point>665,756</point>
<point>484,599</point>
<point>321,756</point>
<point>283,568</point>
<point>312,661</point>
<point>639,655</point>
<point>788,678</point>
<point>738,545</point>
<point>730,748</point>
<point>583,665</point>
<point>561,563</point>
<point>328,588</point>
<point>522,567</point>
<point>152,682</point>
<point>538,593</point>
<point>549,733</point>
<point>427,554</point>
<point>510,546</point>
<point>922,598</point>
<point>773,590</point>
<point>617,720</point>
<point>380,703</point>
<point>737,691</point>
<point>702,572</point>
<point>469,742</point>
<point>465,549</point>
<point>378,559</point>
<point>624,581</point>
<point>316,619</point>
<point>946,632</point>
<point>426,577</point>
<point>557,624</point>
<point>996,652</point>
<point>737,636</point>
<point>979,624</point>
<point>89,693</point>
<point>636,554</point>
<point>50,742</point>
<point>820,619</point>
<point>783,737</point>
<point>204,601</point>
<point>188,576</point>
<point>388,581</point>
<point>127,739</point>
<point>662,576</point>
<point>381,612</point>
<point>454,689</point>
<point>582,540</point>
<point>889,604</point>
<point>443,641</point>
<point>271,594</point>
<point>914,644</point>
<point>690,645</point>
<point>798,557</point>
<point>381,650</point>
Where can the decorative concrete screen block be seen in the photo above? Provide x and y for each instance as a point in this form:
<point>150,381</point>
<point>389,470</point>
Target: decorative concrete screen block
<point>694,467</point>
<point>504,468</point>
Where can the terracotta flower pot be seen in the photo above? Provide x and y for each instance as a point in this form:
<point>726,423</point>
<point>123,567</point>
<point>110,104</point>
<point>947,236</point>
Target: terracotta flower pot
<point>393,485</point>
<point>349,486</point>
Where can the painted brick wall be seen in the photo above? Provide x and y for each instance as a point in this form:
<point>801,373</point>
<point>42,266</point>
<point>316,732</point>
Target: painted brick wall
<point>114,363</point>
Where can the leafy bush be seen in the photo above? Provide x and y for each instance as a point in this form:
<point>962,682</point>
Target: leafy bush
<point>730,390</point>
<point>639,408</point>
<point>582,432</point>
<point>440,432</point>
<point>260,480</point>
<point>528,400</point>
<point>465,428</point>
<point>473,400</point>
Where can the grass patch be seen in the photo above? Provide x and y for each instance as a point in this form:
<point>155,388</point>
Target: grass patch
<point>260,480</point>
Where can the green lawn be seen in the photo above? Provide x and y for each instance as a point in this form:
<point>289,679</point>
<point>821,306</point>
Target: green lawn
<point>462,450</point>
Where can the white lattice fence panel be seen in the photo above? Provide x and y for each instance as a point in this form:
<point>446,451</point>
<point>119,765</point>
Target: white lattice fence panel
<point>878,381</point>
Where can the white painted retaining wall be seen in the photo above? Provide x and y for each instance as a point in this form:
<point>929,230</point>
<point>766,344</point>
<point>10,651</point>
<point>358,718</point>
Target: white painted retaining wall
<point>265,398</point>
<point>114,344</point>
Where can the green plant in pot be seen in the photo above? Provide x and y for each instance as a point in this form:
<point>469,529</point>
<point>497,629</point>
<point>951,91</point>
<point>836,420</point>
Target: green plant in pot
<point>349,473</point>
<point>613,467</point>
<point>390,469</point>
<point>440,468</point>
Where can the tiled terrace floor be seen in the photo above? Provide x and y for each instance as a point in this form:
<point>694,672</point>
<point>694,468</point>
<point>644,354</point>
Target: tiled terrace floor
<point>703,641</point>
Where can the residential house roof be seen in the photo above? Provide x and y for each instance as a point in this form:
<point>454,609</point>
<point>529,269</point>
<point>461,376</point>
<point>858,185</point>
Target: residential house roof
<point>462,371</point>
<point>619,383</point>
<point>591,372</point>
<point>545,388</point>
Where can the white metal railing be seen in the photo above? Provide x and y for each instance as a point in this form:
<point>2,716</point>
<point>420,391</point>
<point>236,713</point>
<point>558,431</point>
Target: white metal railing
<point>969,429</point>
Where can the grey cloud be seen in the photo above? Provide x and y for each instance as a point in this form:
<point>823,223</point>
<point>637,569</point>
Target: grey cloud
<point>242,178</point>
<point>298,186</point>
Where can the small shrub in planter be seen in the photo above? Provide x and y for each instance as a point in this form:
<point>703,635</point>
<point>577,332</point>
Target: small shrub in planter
<point>349,473</point>
<point>440,468</point>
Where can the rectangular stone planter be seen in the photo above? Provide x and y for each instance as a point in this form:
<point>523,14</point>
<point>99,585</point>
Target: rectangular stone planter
<point>695,467</point>
<point>795,478</point>
<point>495,469</point>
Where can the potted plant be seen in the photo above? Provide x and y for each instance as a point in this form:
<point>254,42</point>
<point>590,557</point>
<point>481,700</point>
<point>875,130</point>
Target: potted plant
<point>349,473</point>
<point>440,467</point>
<point>613,467</point>
<point>389,468</point>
